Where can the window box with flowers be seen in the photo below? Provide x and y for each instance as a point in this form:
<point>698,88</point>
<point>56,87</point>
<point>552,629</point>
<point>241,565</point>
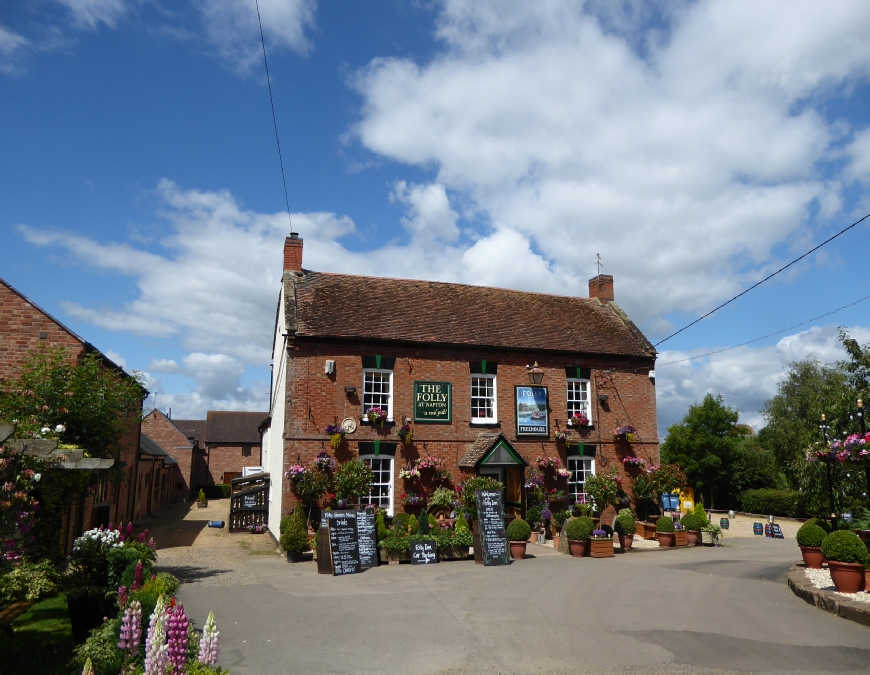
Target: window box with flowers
<point>625,433</point>
<point>376,416</point>
<point>555,496</point>
<point>336,434</point>
<point>579,420</point>
<point>600,545</point>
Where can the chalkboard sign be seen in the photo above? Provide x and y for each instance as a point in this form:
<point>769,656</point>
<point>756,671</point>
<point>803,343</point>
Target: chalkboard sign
<point>368,539</point>
<point>776,531</point>
<point>423,553</point>
<point>344,543</point>
<point>490,518</point>
<point>249,501</point>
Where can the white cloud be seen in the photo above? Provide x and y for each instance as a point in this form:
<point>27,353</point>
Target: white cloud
<point>429,214</point>
<point>91,13</point>
<point>116,358</point>
<point>231,27</point>
<point>689,150</point>
<point>11,46</point>
<point>746,377</point>
<point>858,153</point>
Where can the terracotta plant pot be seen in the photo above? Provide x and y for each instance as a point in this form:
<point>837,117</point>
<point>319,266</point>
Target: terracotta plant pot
<point>578,548</point>
<point>625,541</point>
<point>681,538</point>
<point>601,548</point>
<point>847,577</point>
<point>867,580</point>
<point>556,541</point>
<point>666,539</point>
<point>694,537</point>
<point>518,549</point>
<point>812,556</point>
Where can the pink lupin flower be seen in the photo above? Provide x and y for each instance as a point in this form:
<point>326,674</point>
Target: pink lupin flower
<point>177,627</point>
<point>137,577</point>
<point>122,596</point>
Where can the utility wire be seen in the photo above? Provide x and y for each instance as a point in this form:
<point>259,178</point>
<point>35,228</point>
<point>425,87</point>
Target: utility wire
<point>743,344</point>
<point>769,276</point>
<point>274,120</point>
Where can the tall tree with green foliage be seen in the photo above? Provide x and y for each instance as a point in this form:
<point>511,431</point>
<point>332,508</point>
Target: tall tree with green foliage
<point>703,446</point>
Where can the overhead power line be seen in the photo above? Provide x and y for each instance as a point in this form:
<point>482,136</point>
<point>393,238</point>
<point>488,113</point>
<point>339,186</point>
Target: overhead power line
<point>274,120</point>
<point>769,276</point>
<point>749,342</point>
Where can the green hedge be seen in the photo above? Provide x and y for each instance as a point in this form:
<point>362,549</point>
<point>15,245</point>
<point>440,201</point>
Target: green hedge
<point>217,491</point>
<point>770,502</point>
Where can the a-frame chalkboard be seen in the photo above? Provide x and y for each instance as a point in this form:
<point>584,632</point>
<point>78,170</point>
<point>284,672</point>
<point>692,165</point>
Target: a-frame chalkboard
<point>490,520</point>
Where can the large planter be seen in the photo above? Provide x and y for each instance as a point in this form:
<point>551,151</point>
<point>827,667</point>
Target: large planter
<point>812,556</point>
<point>86,611</point>
<point>666,539</point>
<point>706,538</point>
<point>601,548</point>
<point>681,538</point>
<point>694,537</point>
<point>396,557</point>
<point>625,541</point>
<point>578,548</point>
<point>453,553</point>
<point>518,549</point>
<point>847,577</point>
<point>639,529</point>
<point>867,580</point>
<point>202,505</point>
<point>649,531</point>
<point>295,556</point>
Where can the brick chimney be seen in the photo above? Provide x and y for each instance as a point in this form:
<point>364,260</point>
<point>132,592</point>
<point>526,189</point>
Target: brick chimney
<point>293,253</point>
<point>601,287</point>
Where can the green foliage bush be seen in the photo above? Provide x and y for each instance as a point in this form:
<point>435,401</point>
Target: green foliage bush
<point>821,522</point>
<point>29,581</point>
<point>201,496</point>
<point>413,525</point>
<point>701,512</point>
<point>665,524</point>
<point>423,524</point>
<point>810,534</point>
<point>767,501</point>
<point>295,538</point>
<point>625,524</point>
<point>692,522</point>
<point>468,495</point>
<point>311,486</point>
<point>352,479</point>
<point>400,523</point>
<point>442,497</point>
<point>518,530</point>
<point>535,514</point>
<point>285,523</point>
<point>559,518</point>
<point>844,546</point>
<point>580,528</point>
<point>380,526</point>
<point>461,524</point>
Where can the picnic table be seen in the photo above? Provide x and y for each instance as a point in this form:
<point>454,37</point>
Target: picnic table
<point>12,612</point>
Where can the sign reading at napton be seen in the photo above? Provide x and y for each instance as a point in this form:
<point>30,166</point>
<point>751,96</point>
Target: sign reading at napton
<point>433,402</point>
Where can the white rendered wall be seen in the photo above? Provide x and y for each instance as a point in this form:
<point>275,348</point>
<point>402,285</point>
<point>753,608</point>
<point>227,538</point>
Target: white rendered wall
<point>273,439</point>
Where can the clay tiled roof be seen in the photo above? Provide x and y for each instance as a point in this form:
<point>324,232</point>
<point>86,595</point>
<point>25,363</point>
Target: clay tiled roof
<point>479,448</point>
<point>345,306</point>
<point>234,427</point>
<point>148,446</point>
<point>194,429</point>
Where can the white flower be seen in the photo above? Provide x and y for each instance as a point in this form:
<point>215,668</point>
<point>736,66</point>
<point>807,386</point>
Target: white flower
<point>37,477</point>
<point>45,430</point>
<point>60,428</point>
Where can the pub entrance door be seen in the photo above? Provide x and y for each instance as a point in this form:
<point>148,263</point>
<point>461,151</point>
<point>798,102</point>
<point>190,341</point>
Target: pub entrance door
<point>506,466</point>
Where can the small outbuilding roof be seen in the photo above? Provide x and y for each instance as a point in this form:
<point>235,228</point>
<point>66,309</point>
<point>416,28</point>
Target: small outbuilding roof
<point>234,427</point>
<point>148,446</point>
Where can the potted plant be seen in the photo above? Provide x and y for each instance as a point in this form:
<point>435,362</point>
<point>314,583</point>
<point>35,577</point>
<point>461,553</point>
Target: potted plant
<point>518,531</point>
<point>624,433</point>
<point>665,531</point>
<point>600,545</point>
<point>809,538</point>
<point>846,555</point>
<point>294,539</point>
<point>681,538</point>
<point>376,416</point>
<point>710,533</point>
<point>578,532</point>
<point>626,528</point>
<point>201,501</point>
<point>603,489</point>
<point>693,526</point>
<point>336,434</point>
<point>323,462</point>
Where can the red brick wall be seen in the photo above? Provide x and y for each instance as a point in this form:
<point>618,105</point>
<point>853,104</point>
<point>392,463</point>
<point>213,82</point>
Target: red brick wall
<point>223,459</point>
<point>315,400</point>
<point>167,436</point>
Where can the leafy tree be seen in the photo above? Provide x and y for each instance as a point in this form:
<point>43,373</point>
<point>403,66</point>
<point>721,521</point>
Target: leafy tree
<point>857,367</point>
<point>703,445</point>
<point>753,466</point>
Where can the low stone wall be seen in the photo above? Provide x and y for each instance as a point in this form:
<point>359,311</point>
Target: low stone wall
<point>827,600</point>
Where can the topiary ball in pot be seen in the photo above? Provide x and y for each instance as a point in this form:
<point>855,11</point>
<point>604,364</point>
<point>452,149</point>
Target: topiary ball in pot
<point>518,530</point>
<point>692,522</point>
<point>625,524</point>
<point>580,529</point>
<point>665,524</point>
<point>810,537</point>
<point>846,555</point>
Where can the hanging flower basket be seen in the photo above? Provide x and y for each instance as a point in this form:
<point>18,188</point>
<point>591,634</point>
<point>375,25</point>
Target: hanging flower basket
<point>579,420</point>
<point>626,433</point>
<point>561,435</point>
<point>405,434</point>
<point>634,463</point>
<point>413,499</point>
<point>324,462</point>
<point>409,473</point>
<point>544,462</point>
<point>435,465</point>
<point>296,473</point>
<point>377,416</point>
<point>336,435</point>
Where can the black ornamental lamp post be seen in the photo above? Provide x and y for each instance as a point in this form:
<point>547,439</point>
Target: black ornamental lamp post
<point>823,427</point>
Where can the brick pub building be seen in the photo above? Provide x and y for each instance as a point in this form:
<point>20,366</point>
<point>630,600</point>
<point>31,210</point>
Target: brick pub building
<point>453,362</point>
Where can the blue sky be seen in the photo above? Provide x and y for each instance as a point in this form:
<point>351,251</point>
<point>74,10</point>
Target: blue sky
<point>695,146</point>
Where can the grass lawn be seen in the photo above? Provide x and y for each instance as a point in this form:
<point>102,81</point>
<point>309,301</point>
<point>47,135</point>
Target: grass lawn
<point>42,644</point>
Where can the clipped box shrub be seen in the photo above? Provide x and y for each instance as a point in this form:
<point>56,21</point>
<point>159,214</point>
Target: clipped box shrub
<point>665,524</point>
<point>767,501</point>
<point>810,534</point>
<point>692,522</point>
<point>844,546</point>
<point>518,530</point>
<point>625,524</point>
<point>580,528</point>
<point>821,522</point>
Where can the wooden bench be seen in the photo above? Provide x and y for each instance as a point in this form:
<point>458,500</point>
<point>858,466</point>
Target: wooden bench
<point>12,612</point>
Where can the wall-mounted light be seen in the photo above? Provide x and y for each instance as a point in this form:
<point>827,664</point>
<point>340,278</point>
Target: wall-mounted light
<point>349,390</point>
<point>602,398</point>
<point>652,376</point>
<point>536,375</point>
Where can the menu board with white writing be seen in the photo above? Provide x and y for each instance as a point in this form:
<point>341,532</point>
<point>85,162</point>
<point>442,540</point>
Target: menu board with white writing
<point>344,543</point>
<point>368,539</point>
<point>490,519</point>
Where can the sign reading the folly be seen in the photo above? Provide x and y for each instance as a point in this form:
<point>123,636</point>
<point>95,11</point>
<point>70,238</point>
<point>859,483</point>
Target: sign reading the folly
<point>433,402</point>
<point>532,411</point>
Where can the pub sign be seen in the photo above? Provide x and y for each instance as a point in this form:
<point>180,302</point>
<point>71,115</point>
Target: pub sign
<point>433,402</point>
<point>531,408</point>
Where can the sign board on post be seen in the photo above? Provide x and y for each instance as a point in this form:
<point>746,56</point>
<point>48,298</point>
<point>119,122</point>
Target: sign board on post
<point>776,531</point>
<point>532,410</point>
<point>423,553</point>
<point>433,402</point>
<point>344,543</point>
<point>368,539</point>
<point>490,519</point>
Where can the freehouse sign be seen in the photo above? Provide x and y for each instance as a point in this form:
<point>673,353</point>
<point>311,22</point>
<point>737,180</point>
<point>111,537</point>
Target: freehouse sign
<point>433,402</point>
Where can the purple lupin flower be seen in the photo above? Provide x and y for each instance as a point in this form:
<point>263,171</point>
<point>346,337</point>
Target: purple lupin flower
<point>177,626</point>
<point>122,596</point>
<point>208,644</point>
<point>130,529</point>
<point>131,629</point>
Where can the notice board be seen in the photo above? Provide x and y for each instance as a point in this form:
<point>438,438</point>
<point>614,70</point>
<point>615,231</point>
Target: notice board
<point>344,543</point>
